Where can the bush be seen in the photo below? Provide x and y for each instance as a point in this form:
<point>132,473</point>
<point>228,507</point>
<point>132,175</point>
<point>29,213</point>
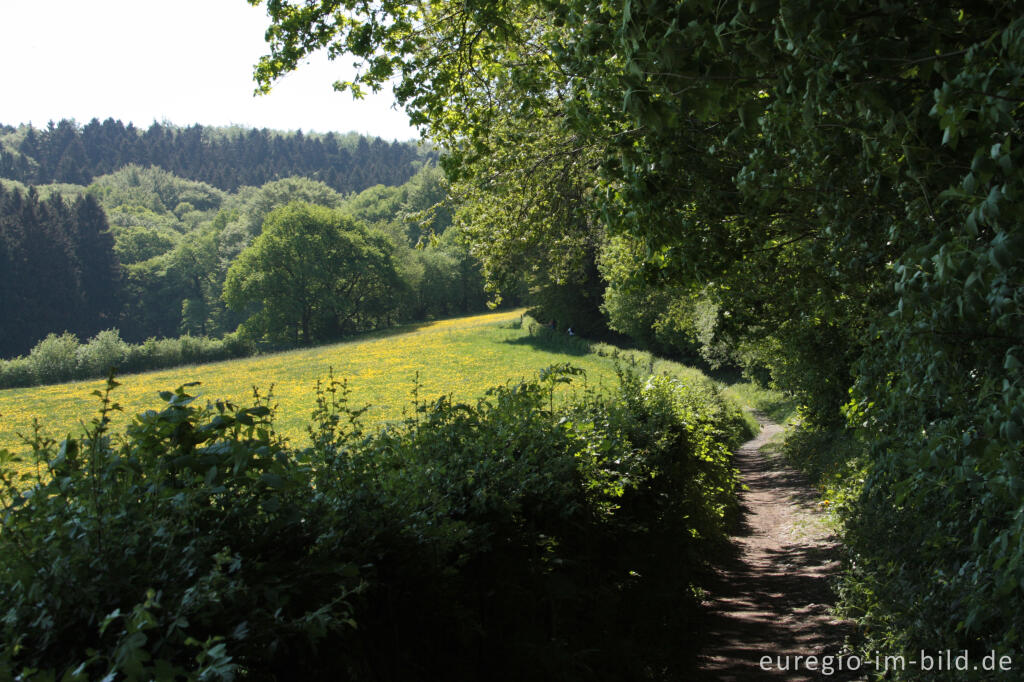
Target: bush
<point>190,549</point>
<point>143,356</point>
<point>16,372</point>
<point>60,358</point>
<point>236,346</point>
<point>55,358</point>
<point>103,352</point>
<point>501,540</point>
<point>196,348</point>
<point>167,353</point>
<point>511,541</point>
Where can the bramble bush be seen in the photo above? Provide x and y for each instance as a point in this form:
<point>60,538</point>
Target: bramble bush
<point>154,556</point>
<point>501,540</point>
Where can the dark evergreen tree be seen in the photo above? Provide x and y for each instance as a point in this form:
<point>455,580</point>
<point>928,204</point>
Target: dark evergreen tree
<point>10,252</point>
<point>228,159</point>
<point>58,270</point>
<point>30,149</point>
<point>73,166</point>
<point>100,272</point>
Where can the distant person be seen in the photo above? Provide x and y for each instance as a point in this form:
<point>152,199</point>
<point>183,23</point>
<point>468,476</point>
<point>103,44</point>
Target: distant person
<point>571,332</point>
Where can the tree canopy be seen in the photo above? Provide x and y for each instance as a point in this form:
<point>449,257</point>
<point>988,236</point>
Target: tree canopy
<point>226,158</point>
<point>170,242</point>
<point>312,274</point>
<point>841,182</point>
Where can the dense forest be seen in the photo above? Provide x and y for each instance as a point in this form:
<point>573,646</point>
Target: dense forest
<point>226,158</point>
<point>145,252</point>
<point>58,267</point>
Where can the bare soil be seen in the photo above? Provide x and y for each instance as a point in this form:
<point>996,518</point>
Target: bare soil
<point>774,596</point>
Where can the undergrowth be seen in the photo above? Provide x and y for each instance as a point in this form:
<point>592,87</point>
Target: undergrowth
<point>508,538</point>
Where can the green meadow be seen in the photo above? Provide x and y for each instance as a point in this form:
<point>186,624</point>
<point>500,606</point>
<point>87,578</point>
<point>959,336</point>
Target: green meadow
<point>461,357</point>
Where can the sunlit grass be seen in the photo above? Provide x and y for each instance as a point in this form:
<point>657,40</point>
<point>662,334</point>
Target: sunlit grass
<point>775,405</point>
<point>462,357</point>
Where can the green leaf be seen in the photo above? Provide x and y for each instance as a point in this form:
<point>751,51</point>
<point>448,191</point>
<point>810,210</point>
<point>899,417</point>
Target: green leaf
<point>273,480</point>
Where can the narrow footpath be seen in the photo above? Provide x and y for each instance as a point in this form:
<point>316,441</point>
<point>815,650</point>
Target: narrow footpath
<point>774,597</point>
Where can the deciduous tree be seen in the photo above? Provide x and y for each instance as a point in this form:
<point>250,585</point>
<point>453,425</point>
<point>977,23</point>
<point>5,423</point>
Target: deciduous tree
<point>313,273</point>
<point>850,178</point>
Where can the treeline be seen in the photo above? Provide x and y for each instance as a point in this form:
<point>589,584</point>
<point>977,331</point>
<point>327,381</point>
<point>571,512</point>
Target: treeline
<point>226,158</point>
<point>148,253</point>
<point>58,268</point>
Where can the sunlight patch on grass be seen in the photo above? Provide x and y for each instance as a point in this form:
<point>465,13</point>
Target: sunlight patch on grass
<point>460,357</point>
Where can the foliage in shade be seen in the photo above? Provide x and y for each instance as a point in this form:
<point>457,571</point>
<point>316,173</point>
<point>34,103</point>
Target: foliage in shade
<point>843,181</point>
<point>58,270</point>
<point>498,539</point>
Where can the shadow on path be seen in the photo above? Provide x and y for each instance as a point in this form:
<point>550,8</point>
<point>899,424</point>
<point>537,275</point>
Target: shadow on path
<point>774,596</point>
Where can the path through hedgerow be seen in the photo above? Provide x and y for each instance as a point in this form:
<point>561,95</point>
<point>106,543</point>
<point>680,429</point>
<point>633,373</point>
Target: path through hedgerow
<point>773,599</point>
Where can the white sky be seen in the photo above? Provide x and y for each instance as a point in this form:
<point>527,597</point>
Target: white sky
<point>179,61</point>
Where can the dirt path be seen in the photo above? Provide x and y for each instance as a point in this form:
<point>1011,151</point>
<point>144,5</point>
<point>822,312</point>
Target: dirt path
<point>773,597</point>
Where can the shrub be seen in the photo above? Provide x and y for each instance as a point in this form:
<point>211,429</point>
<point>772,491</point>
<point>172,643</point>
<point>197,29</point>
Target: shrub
<point>564,531</point>
<point>196,348</point>
<point>16,372</point>
<point>51,360</point>
<point>236,346</point>
<point>190,549</point>
<point>140,357</point>
<point>103,352</point>
<point>166,353</point>
<point>55,358</point>
<point>501,540</point>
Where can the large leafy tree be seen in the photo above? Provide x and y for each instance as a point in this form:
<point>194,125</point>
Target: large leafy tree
<point>844,178</point>
<point>312,274</point>
<point>482,80</point>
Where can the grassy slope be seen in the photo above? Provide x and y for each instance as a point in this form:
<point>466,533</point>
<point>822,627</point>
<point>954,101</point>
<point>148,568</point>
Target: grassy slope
<point>463,357</point>
<point>774,405</point>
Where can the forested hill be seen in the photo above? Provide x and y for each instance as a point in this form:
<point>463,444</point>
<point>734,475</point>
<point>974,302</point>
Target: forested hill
<point>226,158</point>
<point>147,253</point>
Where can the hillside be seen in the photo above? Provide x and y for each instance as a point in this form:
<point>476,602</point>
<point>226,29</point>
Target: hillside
<point>461,357</point>
<point>226,158</point>
<point>540,532</point>
<point>146,252</point>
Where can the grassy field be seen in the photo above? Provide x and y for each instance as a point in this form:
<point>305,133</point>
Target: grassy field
<point>462,357</point>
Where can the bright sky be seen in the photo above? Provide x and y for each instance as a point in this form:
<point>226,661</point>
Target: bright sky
<point>179,61</point>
